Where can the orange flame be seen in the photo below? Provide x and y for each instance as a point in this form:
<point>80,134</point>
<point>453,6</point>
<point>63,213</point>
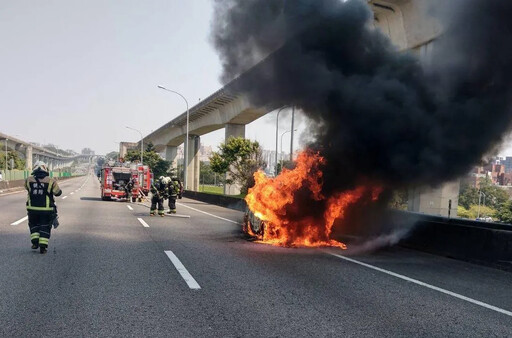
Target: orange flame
<point>293,208</point>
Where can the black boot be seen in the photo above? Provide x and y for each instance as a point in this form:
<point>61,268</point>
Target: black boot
<point>42,249</point>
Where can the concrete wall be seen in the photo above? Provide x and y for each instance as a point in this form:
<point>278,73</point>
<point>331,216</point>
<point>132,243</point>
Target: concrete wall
<point>435,201</point>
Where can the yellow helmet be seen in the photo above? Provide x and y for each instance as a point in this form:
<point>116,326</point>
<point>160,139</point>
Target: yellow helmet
<point>40,166</point>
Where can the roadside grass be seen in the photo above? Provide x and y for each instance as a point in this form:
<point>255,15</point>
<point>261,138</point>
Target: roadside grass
<point>216,190</point>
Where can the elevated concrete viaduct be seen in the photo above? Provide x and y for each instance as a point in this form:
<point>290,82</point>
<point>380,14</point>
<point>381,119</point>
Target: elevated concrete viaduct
<point>32,153</point>
<point>223,109</point>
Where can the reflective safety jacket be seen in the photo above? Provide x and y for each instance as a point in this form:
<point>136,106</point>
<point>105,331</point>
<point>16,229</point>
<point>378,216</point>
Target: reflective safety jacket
<point>174,188</point>
<point>40,194</point>
<point>159,188</point>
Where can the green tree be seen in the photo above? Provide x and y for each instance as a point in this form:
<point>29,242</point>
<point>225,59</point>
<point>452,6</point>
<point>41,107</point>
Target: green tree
<point>473,211</point>
<point>240,158</point>
<point>468,195</point>
<point>505,212</point>
<point>207,175</point>
<point>18,162</point>
<point>495,197</point>
<point>113,155</point>
<point>150,147</point>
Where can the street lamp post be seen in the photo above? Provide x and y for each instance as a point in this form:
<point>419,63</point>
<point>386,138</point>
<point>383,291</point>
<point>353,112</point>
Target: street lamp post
<point>141,144</point>
<point>282,140</point>
<point>479,199</point>
<point>292,130</point>
<point>6,158</point>
<point>277,133</point>
<point>186,137</point>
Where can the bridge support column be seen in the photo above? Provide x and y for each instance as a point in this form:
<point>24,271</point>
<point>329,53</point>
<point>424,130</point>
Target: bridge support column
<point>233,130</point>
<point>171,155</point>
<point>28,158</point>
<point>192,166</point>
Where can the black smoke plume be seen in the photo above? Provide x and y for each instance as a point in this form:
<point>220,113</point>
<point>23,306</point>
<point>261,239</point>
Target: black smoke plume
<point>377,115</point>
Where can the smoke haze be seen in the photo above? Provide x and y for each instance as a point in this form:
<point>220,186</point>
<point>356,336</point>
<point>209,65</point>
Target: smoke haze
<point>376,114</point>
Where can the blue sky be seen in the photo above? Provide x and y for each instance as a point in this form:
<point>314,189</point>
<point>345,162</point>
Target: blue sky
<point>75,73</point>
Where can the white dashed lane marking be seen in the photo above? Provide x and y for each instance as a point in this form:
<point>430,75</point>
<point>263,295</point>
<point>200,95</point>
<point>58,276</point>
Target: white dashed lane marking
<point>144,224</point>
<point>191,282</point>
<point>129,207</point>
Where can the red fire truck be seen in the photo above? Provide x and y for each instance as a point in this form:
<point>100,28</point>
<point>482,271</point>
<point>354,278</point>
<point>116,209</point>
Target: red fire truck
<point>144,179</point>
<point>114,182</point>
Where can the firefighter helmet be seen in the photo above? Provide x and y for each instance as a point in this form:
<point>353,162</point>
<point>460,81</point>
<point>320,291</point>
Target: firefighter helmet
<point>40,166</point>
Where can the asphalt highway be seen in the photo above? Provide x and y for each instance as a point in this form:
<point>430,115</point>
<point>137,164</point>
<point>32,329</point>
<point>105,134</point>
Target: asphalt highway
<point>113,271</point>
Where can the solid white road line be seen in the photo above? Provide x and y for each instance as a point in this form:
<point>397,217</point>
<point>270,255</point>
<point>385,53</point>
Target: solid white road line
<point>19,221</point>
<point>129,207</point>
<point>64,197</point>
<point>191,282</point>
<point>144,224</point>
<point>207,213</point>
<point>432,287</point>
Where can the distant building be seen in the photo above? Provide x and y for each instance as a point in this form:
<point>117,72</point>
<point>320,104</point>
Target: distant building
<point>205,152</point>
<point>87,151</point>
<point>507,161</point>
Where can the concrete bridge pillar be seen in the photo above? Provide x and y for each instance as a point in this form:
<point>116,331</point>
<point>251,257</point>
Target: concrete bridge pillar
<point>233,130</point>
<point>28,158</point>
<point>192,166</point>
<point>171,155</point>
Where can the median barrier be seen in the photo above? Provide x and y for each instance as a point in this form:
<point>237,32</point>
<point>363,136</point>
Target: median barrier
<point>473,241</point>
<point>234,203</point>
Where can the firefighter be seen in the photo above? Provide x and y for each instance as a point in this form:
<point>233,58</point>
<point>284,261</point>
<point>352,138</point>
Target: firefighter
<point>41,208</point>
<point>129,189</point>
<point>159,191</point>
<point>175,190</point>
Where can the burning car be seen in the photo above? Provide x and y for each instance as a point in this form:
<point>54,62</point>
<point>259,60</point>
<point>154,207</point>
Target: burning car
<point>252,225</point>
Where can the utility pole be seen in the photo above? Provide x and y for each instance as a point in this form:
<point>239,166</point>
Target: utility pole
<point>185,176</point>
<point>291,141</point>
<point>6,158</point>
<point>277,134</point>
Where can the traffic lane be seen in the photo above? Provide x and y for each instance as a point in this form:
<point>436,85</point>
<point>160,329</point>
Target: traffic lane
<point>103,276</point>
<point>13,206</point>
<point>479,282</point>
<point>475,281</point>
<point>303,287</point>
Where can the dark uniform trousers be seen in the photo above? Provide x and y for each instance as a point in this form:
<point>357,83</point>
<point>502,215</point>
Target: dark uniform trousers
<point>40,224</point>
<point>157,199</point>
<point>172,204</point>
